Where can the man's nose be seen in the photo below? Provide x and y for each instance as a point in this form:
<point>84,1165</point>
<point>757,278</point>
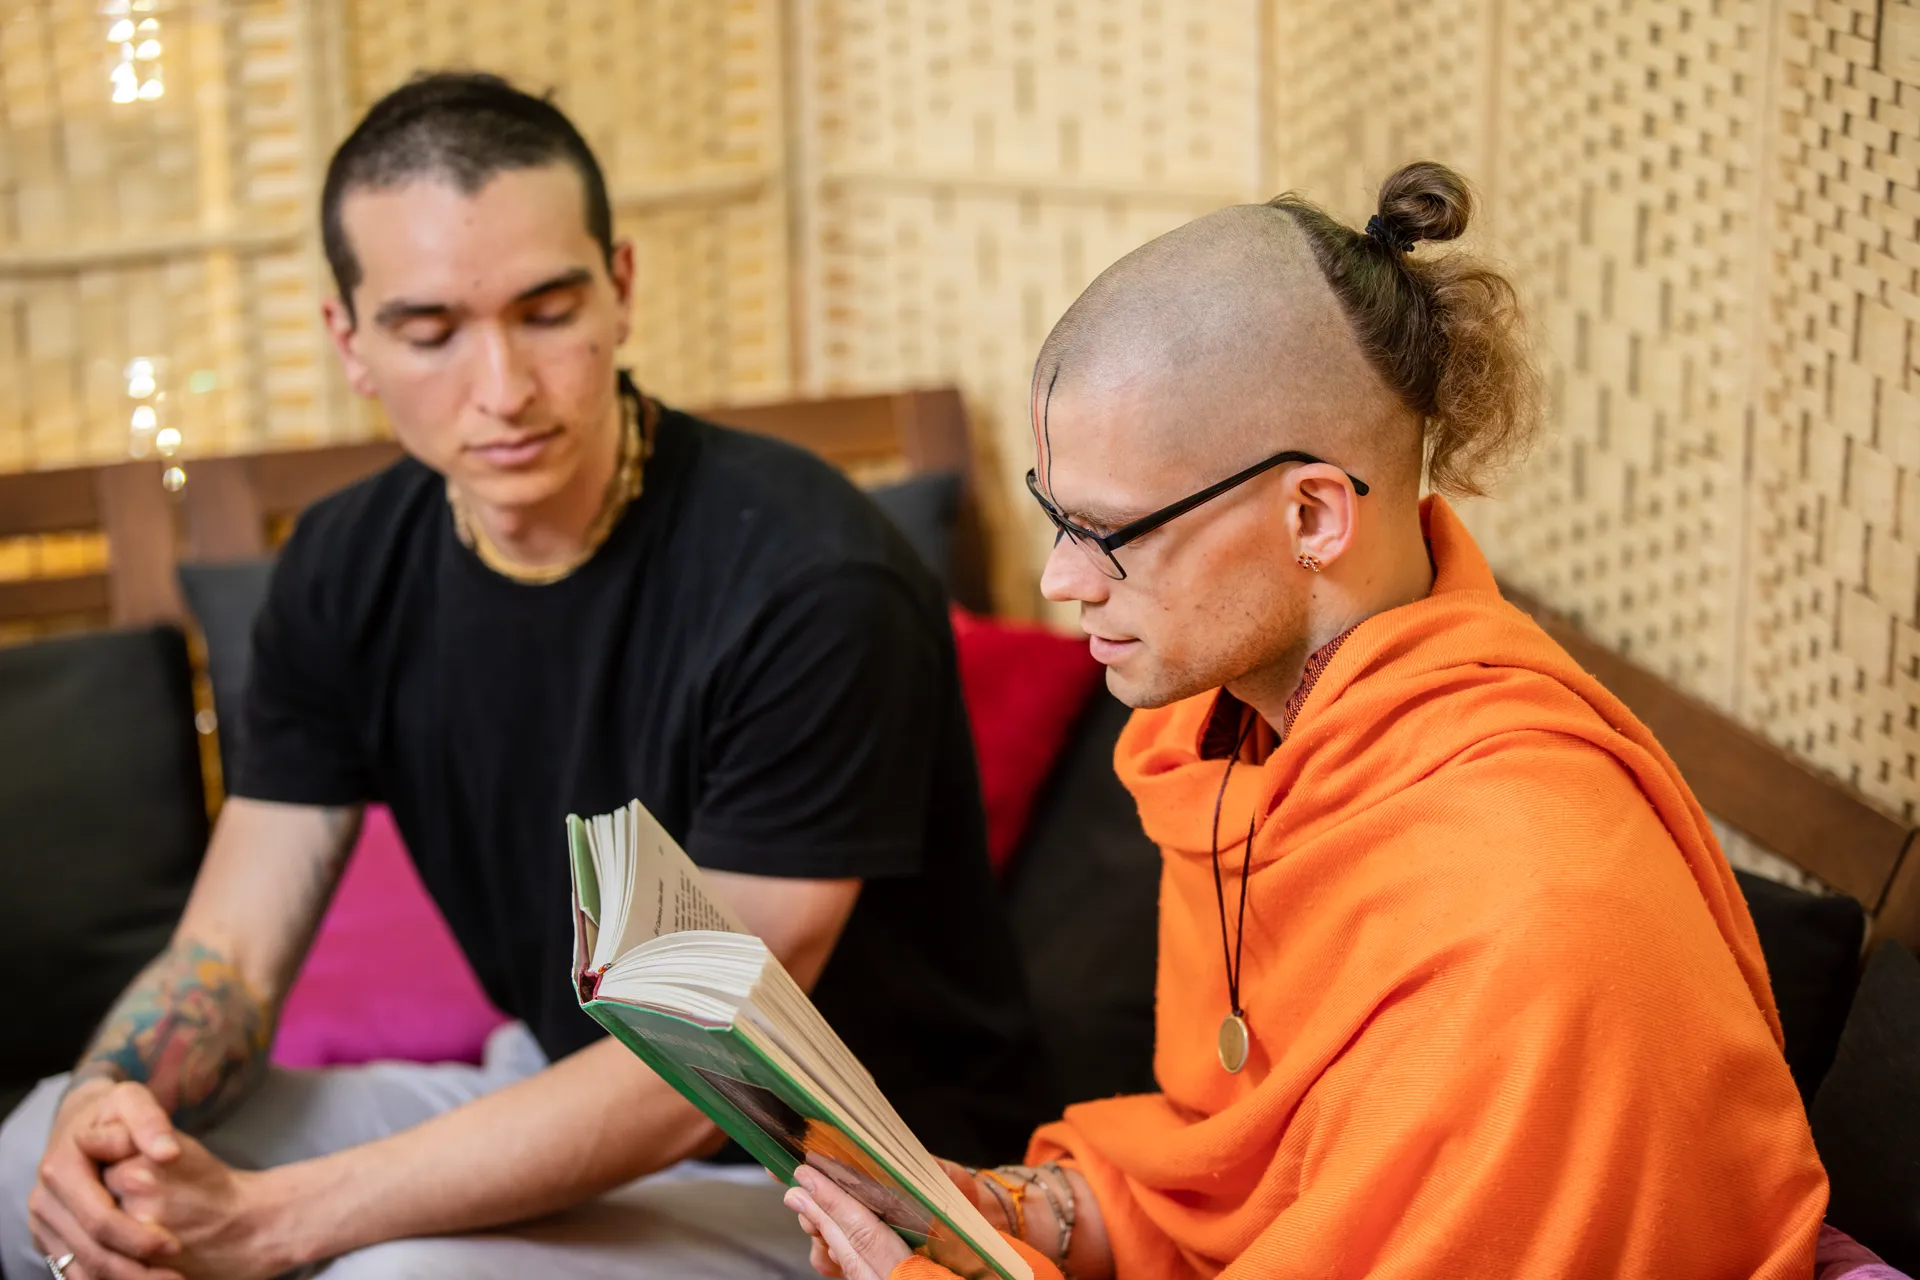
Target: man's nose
<point>504,384</point>
<point>1069,575</point>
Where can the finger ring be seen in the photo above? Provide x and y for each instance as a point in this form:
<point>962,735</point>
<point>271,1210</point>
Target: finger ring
<point>58,1266</point>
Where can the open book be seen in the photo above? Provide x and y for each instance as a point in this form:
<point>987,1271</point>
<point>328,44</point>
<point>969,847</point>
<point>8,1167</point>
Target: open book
<point>665,967</point>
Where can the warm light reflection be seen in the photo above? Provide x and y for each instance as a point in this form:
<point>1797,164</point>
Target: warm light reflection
<point>142,377</point>
<point>135,74</point>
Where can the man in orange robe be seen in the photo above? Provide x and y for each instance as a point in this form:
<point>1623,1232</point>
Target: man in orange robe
<point>1493,1005</point>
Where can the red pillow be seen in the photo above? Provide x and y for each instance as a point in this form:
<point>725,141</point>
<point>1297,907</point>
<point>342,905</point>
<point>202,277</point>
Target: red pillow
<point>1024,688</point>
<point>385,978</point>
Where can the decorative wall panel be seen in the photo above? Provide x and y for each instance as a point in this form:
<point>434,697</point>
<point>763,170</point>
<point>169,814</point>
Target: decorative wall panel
<point>682,102</point>
<point>1360,89</point>
<point>971,168</point>
<point>1833,627</point>
<point>1627,154</point>
<point>1712,208</point>
<point>130,216</point>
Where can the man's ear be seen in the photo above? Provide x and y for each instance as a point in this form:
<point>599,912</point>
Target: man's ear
<point>345,335</point>
<point>620,268</point>
<point>1322,512</point>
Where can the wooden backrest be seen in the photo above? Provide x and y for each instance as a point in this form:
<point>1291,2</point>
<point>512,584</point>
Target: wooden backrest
<point>231,503</point>
<point>128,504</point>
<point>1783,804</point>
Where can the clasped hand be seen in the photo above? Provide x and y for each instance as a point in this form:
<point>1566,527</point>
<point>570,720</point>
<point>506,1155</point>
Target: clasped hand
<point>132,1198</point>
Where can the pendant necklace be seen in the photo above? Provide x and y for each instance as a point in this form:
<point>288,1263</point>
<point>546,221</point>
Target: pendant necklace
<point>639,416</point>
<point>1233,1040</point>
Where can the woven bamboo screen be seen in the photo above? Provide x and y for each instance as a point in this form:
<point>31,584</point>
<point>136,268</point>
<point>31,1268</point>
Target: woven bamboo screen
<point>1359,88</point>
<point>1629,199</point>
<point>682,103</point>
<point>974,167</point>
<point>1831,631</point>
<point>143,248</point>
<point>1711,208</point>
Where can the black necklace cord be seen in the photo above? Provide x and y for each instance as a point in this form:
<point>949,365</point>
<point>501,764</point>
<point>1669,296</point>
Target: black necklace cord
<point>1240,926</point>
<point>1230,953</point>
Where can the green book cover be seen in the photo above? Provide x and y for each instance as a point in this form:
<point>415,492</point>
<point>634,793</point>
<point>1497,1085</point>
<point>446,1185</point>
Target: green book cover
<point>773,1116</point>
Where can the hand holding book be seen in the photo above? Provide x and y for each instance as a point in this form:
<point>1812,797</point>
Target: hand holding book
<point>673,975</point>
<point>1039,1206</point>
<point>848,1240</point>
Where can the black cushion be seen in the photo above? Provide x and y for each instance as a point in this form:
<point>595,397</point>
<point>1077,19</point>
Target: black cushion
<point>224,599</point>
<point>1812,946</point>
<point>1866,1119</point>
<point>1084,897</point>
<point>104,820</point>
<point>926,508</point>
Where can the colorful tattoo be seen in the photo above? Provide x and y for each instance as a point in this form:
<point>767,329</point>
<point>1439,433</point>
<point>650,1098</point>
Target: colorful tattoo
<point>190,1030</point>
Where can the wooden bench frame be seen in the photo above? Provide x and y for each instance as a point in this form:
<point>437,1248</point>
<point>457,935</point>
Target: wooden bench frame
<point>128,503</point>
<point>228,505</point>
<point>1810,818</point>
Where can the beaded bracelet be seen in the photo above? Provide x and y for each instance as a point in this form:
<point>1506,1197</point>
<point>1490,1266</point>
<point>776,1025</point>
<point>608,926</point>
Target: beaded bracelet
<point>1065,1215</point>
<point>1014,1205</point>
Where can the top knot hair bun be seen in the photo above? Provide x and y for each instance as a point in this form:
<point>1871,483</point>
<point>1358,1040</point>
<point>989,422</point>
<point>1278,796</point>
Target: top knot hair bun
<point>1421,201</point>
<point>1444,330</point>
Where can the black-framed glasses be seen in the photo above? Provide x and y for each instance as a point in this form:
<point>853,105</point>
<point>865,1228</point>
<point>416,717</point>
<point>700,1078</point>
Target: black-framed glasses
<point>1100,548</point>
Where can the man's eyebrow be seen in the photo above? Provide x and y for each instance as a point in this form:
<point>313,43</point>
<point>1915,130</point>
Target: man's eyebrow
<point>400,310</point>
<point>565,280</point>
<point>1094,514</point>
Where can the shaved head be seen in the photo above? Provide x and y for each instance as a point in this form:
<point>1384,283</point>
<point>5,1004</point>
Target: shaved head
<point>1228,338</point>
<point>1194,357</point>
<point>1254,334</point>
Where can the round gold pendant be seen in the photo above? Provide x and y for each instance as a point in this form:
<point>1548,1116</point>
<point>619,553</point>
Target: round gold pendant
<point>1233,1042</point>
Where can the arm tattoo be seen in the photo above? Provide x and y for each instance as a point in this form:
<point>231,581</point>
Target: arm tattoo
<point>190,1030</point>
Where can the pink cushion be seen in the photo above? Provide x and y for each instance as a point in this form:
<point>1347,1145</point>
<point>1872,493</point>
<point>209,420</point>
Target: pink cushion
<point>384,979</point>
<point>1841,1257</point>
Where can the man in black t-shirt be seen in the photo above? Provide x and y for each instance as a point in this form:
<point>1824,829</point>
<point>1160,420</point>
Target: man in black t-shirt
<point>566,597</point>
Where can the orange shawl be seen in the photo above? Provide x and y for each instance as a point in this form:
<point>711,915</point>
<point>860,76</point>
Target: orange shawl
<point>1509,1013</point>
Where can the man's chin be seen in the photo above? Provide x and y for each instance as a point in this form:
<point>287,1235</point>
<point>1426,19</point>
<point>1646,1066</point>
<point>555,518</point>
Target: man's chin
<point>1144,692</point>
<point>504,490</point>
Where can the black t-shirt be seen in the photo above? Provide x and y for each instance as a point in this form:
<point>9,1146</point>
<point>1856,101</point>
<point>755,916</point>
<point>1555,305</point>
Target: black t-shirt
<point>755,653</point>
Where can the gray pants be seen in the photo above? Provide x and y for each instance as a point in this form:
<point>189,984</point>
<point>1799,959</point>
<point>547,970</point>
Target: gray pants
<point>702,1222</point>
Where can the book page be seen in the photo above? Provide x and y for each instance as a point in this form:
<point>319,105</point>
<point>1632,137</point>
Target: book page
<point>660,889</point>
